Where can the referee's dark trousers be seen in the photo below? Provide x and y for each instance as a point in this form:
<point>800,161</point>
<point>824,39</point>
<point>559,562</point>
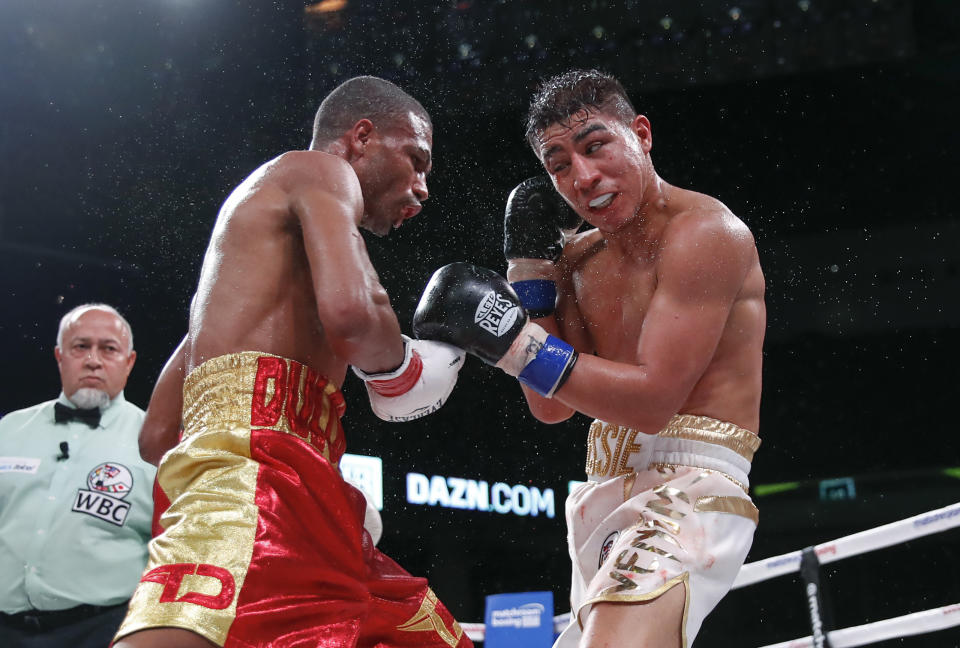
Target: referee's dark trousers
<point>84,626</point>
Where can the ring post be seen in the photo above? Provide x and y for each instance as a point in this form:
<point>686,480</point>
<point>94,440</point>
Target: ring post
<point>820,622</point>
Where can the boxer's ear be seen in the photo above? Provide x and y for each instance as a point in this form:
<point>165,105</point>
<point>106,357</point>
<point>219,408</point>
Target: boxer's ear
<point>359,137</point>
<point>641,128</point>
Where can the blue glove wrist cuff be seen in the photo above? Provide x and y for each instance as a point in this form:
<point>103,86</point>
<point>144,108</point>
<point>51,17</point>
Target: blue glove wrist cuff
<point>538,296</point>
<point>550,368</point>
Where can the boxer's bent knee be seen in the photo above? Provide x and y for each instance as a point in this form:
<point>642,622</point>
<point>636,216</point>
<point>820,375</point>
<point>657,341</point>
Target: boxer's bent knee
<point>657,622</point>
<point>164,638</point>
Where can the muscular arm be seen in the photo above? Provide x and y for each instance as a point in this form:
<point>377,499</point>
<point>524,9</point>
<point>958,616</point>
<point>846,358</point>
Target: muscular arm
<point>699,274</point>
<point>161,427</point>
<point>552,410</point>
<point>353,306</point>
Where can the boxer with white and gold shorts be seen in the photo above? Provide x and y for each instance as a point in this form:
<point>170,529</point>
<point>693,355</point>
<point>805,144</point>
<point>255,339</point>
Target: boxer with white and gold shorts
<point>258,539</point>
<point>657,512</point>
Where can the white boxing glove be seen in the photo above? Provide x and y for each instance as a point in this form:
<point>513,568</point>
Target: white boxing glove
<point>419,386</point>
<point>372,521</point>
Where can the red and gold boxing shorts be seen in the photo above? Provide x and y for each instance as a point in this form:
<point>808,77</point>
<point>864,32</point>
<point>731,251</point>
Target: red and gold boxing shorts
<point>258,539</point>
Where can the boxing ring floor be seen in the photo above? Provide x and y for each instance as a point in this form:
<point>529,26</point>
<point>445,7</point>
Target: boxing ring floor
<point>888,535</point>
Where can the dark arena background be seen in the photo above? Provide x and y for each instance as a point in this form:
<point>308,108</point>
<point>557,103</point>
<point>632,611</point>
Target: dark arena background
<point>828,126</point>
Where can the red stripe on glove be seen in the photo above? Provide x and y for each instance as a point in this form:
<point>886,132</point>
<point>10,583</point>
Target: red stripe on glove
<point>402,383</point>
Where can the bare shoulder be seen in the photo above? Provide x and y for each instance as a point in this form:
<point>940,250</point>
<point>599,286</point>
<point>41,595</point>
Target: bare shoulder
<point>705,247</point>
<point>580,246</point>
<point>706,224</point>
<point>300,178</point>
<point>314,168</point>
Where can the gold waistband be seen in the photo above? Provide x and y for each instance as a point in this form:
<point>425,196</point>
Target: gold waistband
<point>614,450</point>
<point>258,390</point>
<point>703,428</point>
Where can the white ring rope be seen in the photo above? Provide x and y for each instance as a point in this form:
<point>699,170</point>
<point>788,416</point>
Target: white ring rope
<point>473,630</point>
<point>852,545</point>
<point>476,631</point>
<point>880,537</point>
<point>903,626</point>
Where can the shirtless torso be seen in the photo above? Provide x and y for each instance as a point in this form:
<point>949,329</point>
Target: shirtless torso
<point>256,290</point>
<point>286,254</point>
<point>607,293</point>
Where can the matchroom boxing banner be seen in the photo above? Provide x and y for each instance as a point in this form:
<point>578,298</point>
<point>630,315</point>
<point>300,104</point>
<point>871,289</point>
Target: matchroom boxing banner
<point>522,620</point>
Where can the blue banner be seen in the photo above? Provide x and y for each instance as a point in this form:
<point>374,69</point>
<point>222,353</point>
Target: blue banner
<point>522,620</point>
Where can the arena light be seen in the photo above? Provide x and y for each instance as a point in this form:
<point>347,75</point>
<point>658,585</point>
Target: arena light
<point>761,490</point>
<point>326,7</point>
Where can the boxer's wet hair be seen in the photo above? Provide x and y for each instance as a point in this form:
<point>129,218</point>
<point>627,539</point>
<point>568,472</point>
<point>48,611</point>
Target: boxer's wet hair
<point>362,97</point>
<point>560,98</point>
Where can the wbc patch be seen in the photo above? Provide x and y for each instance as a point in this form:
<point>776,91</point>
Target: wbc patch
<point>107,485</point>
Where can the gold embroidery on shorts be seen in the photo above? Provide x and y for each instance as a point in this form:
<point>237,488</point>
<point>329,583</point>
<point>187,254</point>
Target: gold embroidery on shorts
<point>613,594</point>
<point>629,564</point>
<point>639,543</point>
<point>296,412</point>
<point>628,485</point>
<point>699,477</point>
<point>428,620</point>
<point>602,461</point>
<point>627,560</point>
<point>727,504</point>
<point>668,525</point>
<point>324,419</point>
<point>663,468</point>
<point>662,504</point>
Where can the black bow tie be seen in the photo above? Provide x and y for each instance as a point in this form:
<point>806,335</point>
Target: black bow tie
<point>64,414</point>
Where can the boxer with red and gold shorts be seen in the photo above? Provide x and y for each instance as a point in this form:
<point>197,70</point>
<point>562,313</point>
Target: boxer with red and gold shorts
<point>259,540</point>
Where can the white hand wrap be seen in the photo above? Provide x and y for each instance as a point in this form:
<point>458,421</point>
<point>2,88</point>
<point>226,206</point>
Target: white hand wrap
<point>524,349</point>
<point>419,386</point>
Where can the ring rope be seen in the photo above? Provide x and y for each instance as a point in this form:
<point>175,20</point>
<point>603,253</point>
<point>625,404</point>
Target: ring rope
<point>870,540</point>
<point>475,631</point>
<point>902,626</point>
<point>934,521</point>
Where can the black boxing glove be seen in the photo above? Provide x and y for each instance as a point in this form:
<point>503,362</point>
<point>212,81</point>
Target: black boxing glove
<point>475,309</point>
<point>536,222</point>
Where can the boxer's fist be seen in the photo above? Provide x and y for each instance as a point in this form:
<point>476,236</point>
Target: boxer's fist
<point>536,220</point>
<point>472,308</point>
<point>419,386</point>
<point>476,310</point>
<point>536,223</point>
